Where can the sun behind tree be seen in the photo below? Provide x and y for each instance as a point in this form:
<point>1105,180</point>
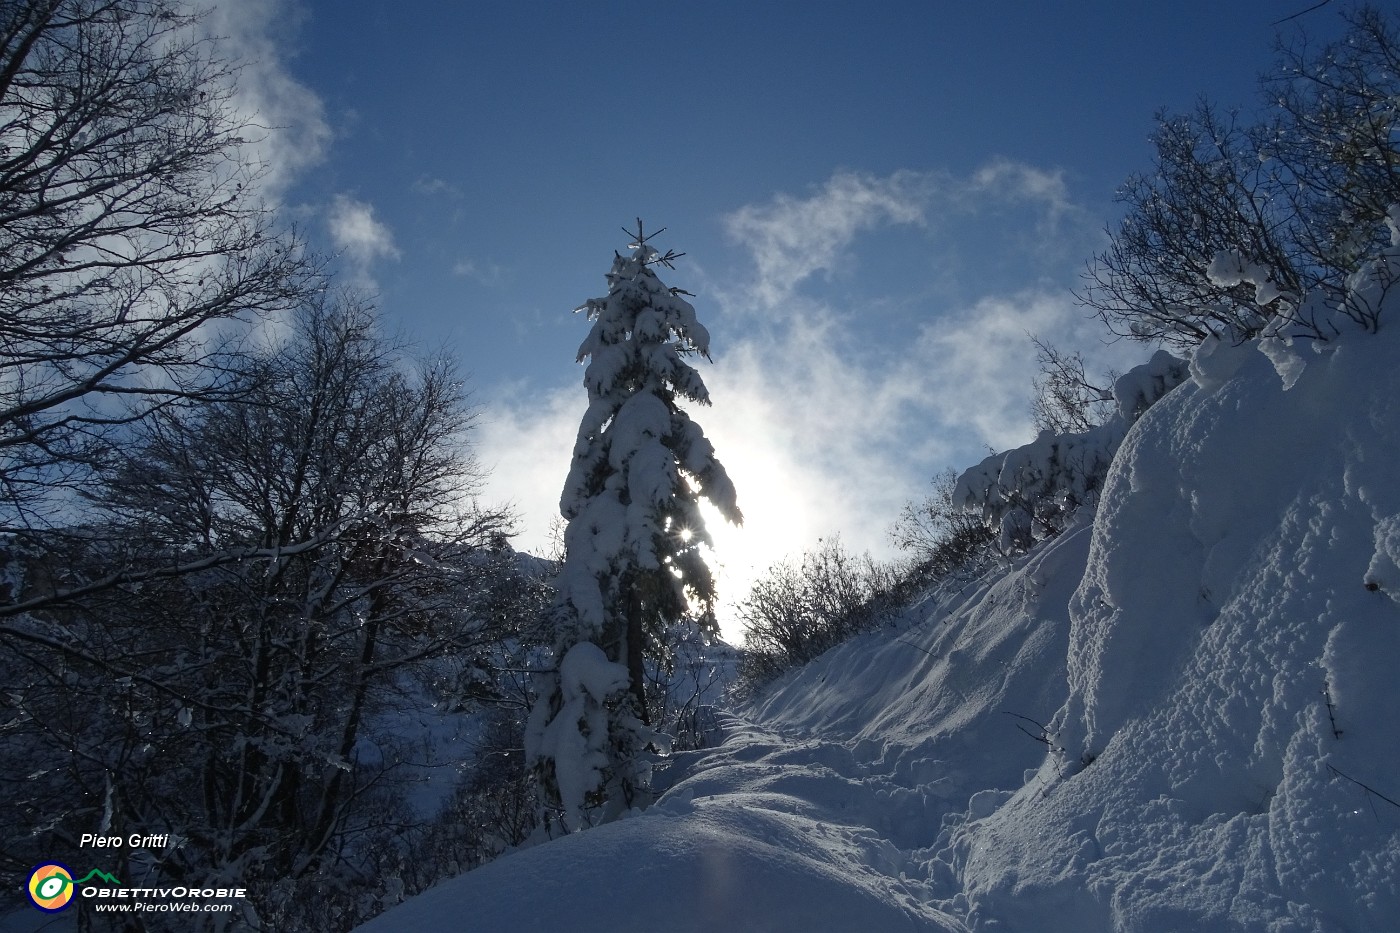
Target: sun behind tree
<point>632,559</point>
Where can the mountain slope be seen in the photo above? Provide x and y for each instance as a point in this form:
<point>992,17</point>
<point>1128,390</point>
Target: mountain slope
<point>1178,714</point>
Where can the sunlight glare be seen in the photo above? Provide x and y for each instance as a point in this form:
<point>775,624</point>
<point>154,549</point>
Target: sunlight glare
<point>775,526</point>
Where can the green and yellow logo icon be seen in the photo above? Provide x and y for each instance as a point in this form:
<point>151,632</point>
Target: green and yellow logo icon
<point>51,885</point>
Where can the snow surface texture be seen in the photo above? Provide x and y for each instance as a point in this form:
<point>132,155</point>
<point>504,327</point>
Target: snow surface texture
<point>829,815</point>
<point>1232,678</point>
<point>1179,717</point>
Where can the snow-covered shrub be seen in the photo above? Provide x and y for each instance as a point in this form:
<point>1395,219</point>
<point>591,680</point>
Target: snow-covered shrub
<point>793,614</point>
<point>1291,340</point>
<point>491,809</point>
<point>1242,227</point>
<point>693,676</point>
<point>1026,494</point>
<point>940,537</point>
<point>1064,399</point>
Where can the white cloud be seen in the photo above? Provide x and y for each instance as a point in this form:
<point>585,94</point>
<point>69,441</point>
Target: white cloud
<point>431,186</point>
<point>1007,179</point>
<point>977,365</point>
<point>359,236</point>
<point>793,238</point>
<point>525,441</point>
<point>279,122</point>
<point>484,272</point>
<point>291,132</point>
<point>807,436</point>
<point>829,420</point>
<point>288,129</point>
<point>1060,231</point>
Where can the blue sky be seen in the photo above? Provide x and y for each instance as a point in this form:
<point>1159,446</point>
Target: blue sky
<point>877,201</point>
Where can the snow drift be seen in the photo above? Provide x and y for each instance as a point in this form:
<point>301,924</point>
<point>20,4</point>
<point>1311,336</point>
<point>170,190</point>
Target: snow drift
<point>1228,755</point>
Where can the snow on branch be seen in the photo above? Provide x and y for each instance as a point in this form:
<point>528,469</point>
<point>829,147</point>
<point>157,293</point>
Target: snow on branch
<point>1026,493</point>
<point>631,565</point>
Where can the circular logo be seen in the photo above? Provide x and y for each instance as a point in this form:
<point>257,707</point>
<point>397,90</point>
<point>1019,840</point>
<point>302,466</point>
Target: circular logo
<point>51,886</point>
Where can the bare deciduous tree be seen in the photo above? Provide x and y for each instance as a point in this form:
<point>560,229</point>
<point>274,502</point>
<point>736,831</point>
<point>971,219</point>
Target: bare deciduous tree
<point>229,703</point>
<point>1066,401</point>
<point>940,536</point>
<point>129,225</point>
<point>1300,195</point>
<point>793,614</point>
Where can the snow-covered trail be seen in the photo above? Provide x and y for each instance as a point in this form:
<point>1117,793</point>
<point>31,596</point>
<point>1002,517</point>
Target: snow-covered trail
<point>828,805</point>
<point>819,798</point>
<point>763,833</point>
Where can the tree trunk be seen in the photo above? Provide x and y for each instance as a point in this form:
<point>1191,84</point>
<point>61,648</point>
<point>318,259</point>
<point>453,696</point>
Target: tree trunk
<point>636,642</point>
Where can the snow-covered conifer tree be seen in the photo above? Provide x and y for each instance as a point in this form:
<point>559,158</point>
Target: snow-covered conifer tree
<point>632,559</point>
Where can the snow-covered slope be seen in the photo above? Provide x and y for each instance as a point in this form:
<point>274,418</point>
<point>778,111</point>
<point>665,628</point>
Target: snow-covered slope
<point>1182,716</point>
<point>1234,670</point>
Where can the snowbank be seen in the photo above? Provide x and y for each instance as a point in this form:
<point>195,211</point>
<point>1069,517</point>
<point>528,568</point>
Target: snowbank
<point>1232,672</point>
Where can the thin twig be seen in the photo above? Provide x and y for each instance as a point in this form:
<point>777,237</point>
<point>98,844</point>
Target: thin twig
<point>1315,6</point>
<point>917,648</point>
<point>1044,736</point>
<point>1331,710</point>
<point>1366,787</point>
